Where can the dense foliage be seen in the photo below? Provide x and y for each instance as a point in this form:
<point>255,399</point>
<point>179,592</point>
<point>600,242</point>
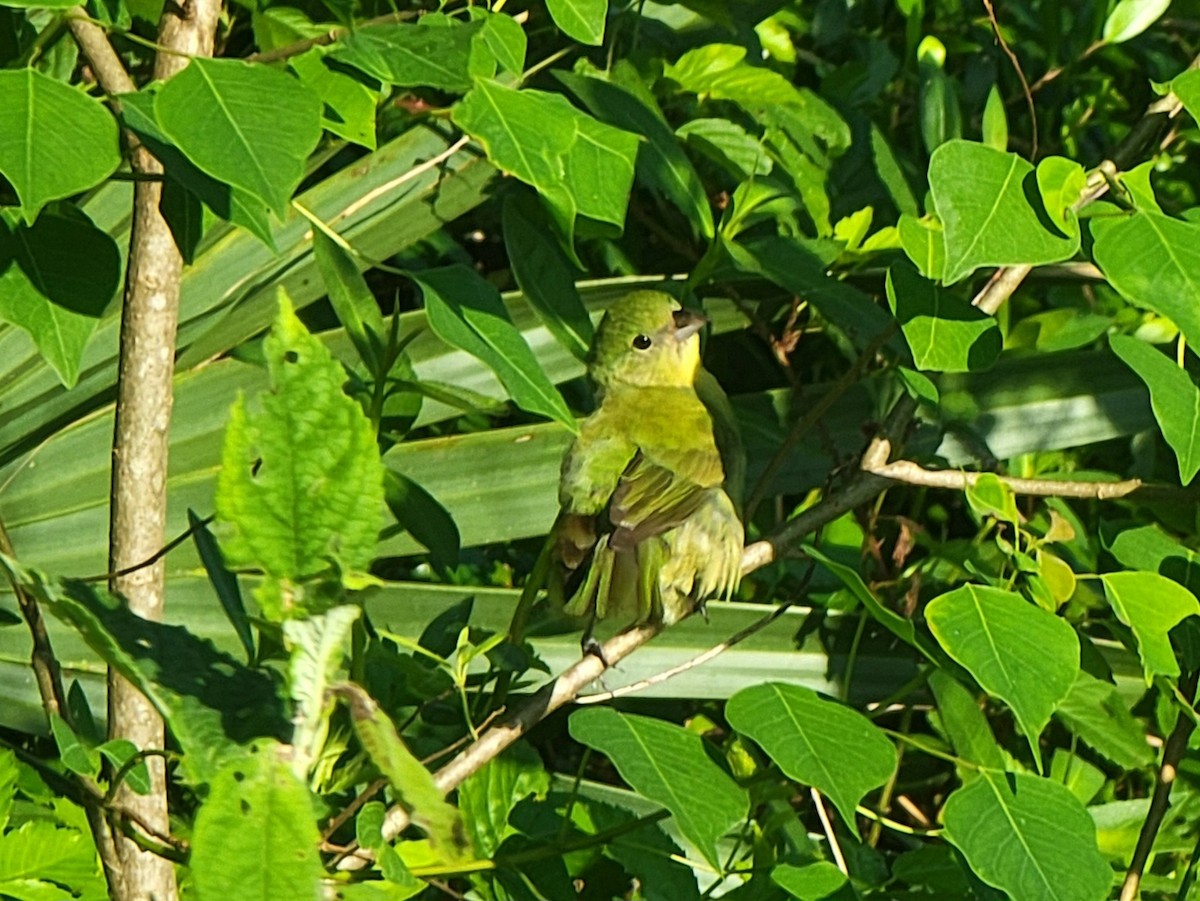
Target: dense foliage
<point>951,257</point>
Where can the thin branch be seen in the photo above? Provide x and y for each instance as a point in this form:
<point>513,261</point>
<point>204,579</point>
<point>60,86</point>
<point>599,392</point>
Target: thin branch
<point>1173,751</point>
<point>46,670</point>
<point>713,652</point>
<point>826,825</point>
<point>1016,64</point>
<point>153,558</point>
<point>911,473</point>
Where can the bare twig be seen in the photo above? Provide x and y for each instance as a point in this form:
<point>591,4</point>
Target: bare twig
<point>715,651</point>
<point>1173,751</point>
<point>913,474</point>
<point>1016,64</point>
<point>46,670</point>
<point>829,834</point>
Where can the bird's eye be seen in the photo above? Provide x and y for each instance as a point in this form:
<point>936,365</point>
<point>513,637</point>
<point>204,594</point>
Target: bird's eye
<point>642,342</point>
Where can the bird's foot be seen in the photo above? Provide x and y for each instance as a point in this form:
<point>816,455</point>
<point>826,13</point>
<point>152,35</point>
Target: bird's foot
<point>593,648</point>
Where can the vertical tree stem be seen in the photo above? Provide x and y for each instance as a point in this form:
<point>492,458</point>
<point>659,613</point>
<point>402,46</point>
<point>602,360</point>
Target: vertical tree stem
<point>139,474</point>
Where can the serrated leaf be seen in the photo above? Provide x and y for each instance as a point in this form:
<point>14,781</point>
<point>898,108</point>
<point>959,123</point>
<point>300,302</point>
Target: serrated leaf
<point>57,276</point>
<point>301,483</point>
<point>1017,652</point>
<point>944,332</point>
<point>209,701</point>
<point>466,312</point>
<point>1151,605</point>
<point>815,741</point>
<point>38,849</point>
<point>317,647</point>
<point>212,111</point>
<point>668,765</point>
<point>1173,397</point>
<point>1095,712</point>
<point>414,786</point>
<point>1154,262</point>
<point>582,20</point>
<point>41,159</point>
<point>256,836</point>
<point>981,198</point>
<point>1028,837</point>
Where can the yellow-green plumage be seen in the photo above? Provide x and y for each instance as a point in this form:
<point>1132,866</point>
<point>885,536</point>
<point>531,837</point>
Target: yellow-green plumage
<point>647,529</point>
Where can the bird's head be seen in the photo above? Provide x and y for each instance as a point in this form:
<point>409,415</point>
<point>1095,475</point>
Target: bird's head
<point>646,339</point>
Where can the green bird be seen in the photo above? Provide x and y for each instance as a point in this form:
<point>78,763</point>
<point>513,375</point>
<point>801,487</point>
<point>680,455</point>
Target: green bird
<point>647,530</point>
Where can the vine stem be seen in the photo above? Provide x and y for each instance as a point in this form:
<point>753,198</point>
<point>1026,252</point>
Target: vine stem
<point>1173,750</point>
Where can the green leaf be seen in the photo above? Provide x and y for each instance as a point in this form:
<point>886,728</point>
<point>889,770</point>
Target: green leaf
<point>1028,837</point>
<point>812,882</point>
<point>892,175</point>
<point>582,20</point>
<point>466,312</point>
<point>256,836</point>
<point>209,700</point>
<point>989,496</point>
<point>924,243</point>
<point>349,104</point>
<point>982,196</point>
<point>1187,88</point>
<point>418,512</point>
<point>1095,712</point>
<point>41,157</point>
<point>351,299</point>
<point>212,111</point>
<point>414,786</point>
<point>317,647</point>
<point>661,163</point>
<point>229,202</point>
<point>39,850</point>
<point>995,121</point>
<point>503,37</point>
<point>1017,652</point>
<point>940,115</point>
<point>118,752</point>
<point>1151,605</point>
<point>1173,397</point>
<point>1150,548</point>
<point>301,483</point>
<point>408,55</point>
<point>1129,18</point>
<point>74,754</point>
<point>578,164</point>
<point>944,332</point>
<point>728,145</point>
<point>646,854</point>
<point>1154,262</point>
<point>898,625</point>
<point>223,581</point>
<point>964,723</point>
<point>57,277</point>
<point>667,765</point>
<point>545,275</point>
<point>1061,182</point>
<point>815,742</point>
<point>719,71</point>
<point>10,771</point>
<point>488,796</point>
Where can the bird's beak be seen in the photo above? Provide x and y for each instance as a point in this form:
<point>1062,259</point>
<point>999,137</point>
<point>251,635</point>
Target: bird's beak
<point>688,323</point>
